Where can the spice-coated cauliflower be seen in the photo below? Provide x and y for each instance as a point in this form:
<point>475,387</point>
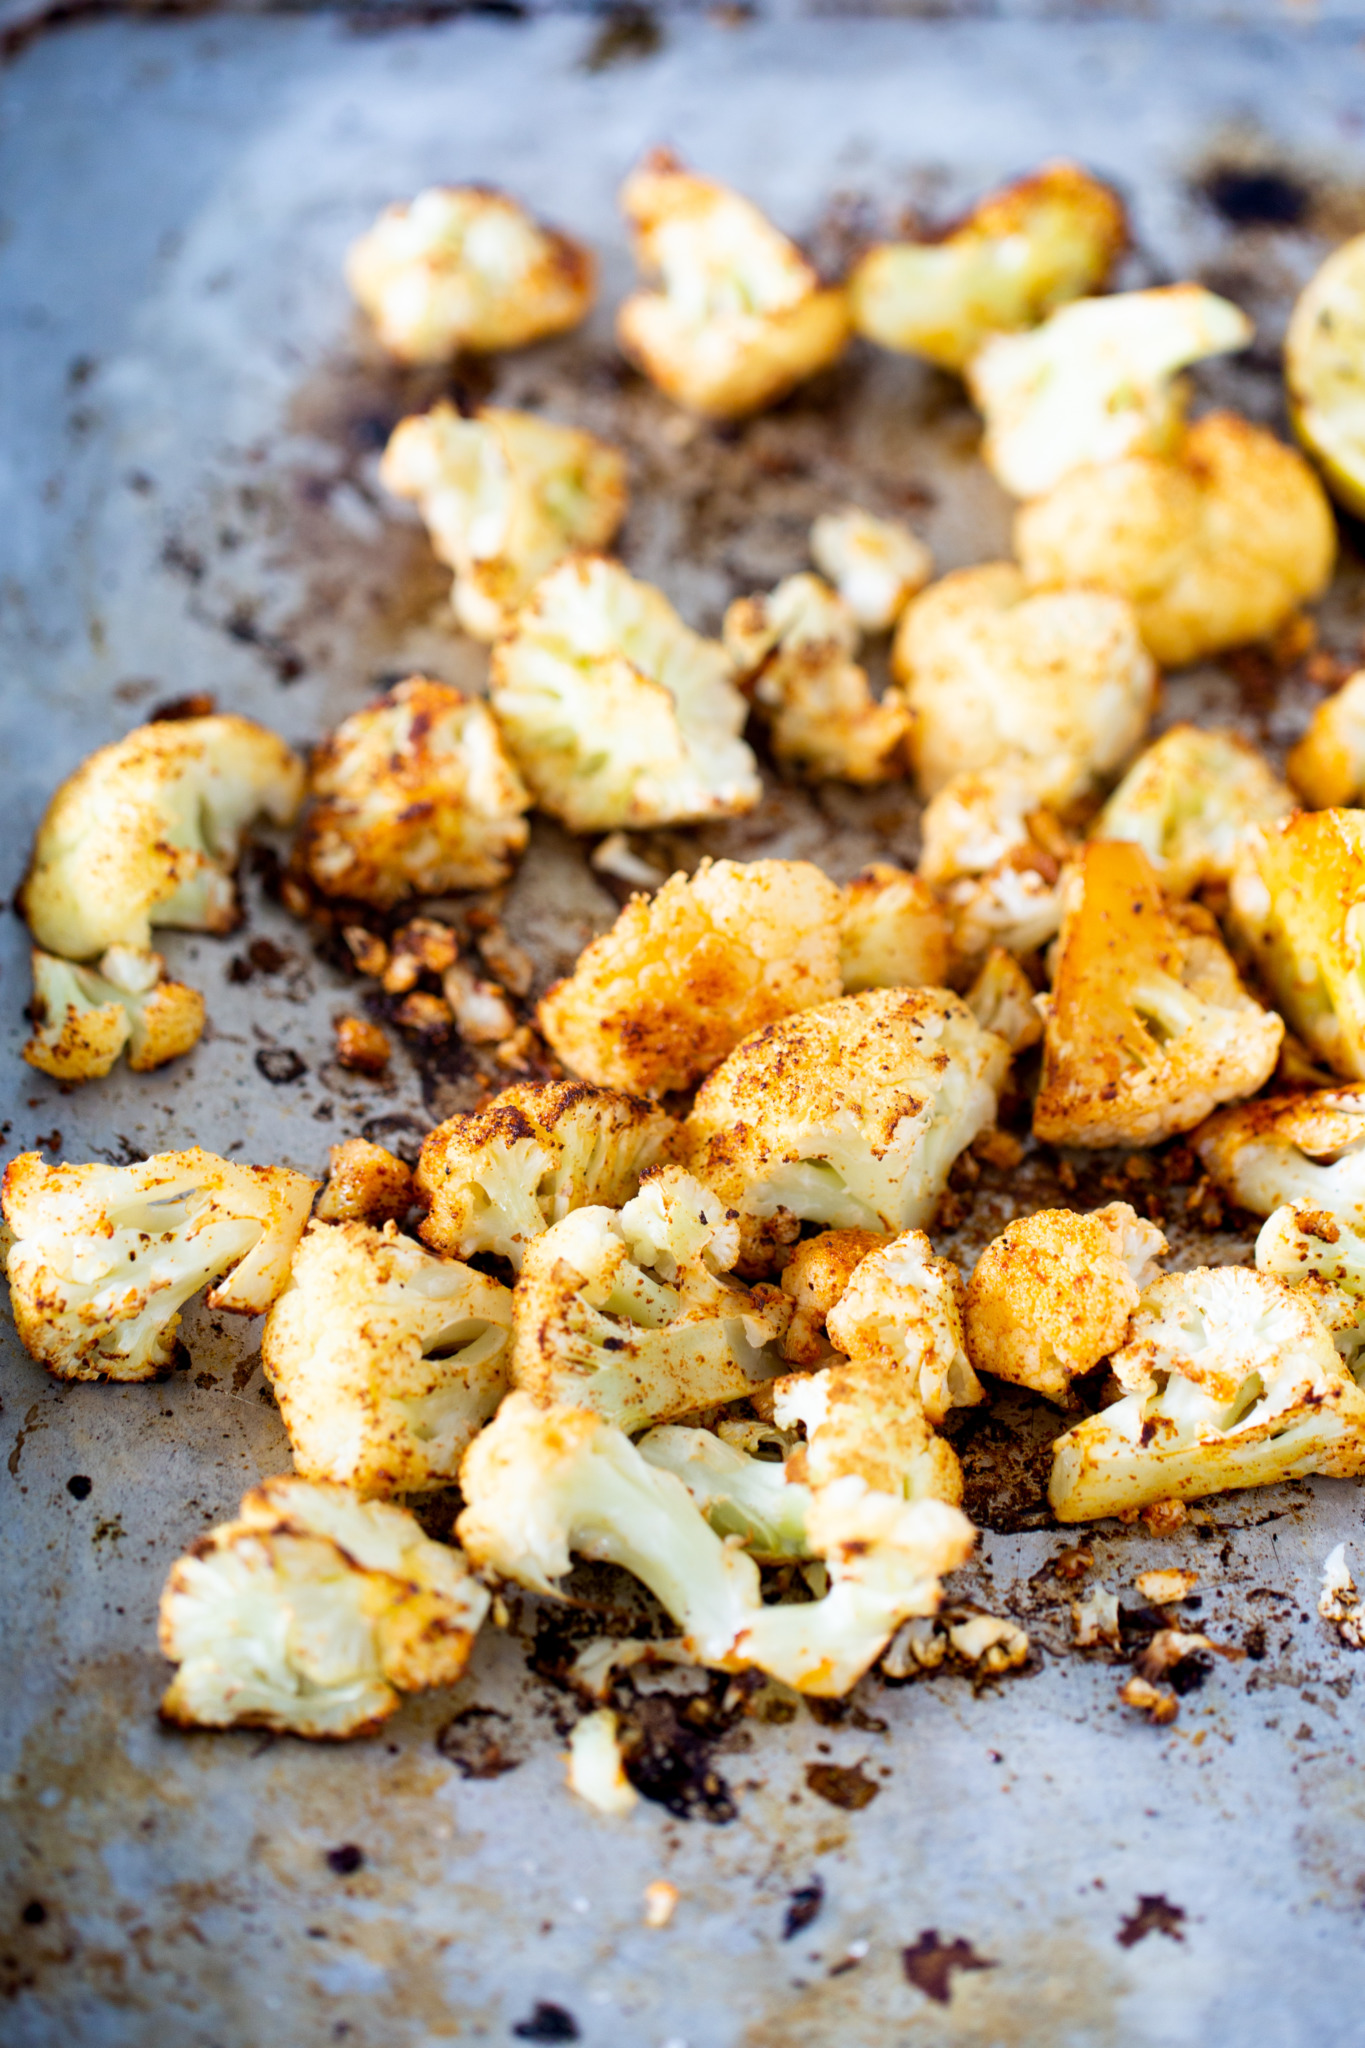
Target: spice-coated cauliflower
<point>814,1282</point>
<point>311,1613</point>
<point>496,1178</point>
<point>1018,255</point>
<point>1055,681</point>
<point>742,317</point>
<point>1323,351</point>
<point>1148,1028</point>
<point>1328,764</point>
<point>1307,1149</point>
<point>1214,544</point>
<point>147,831</point>
<point>464,267</point>
<point>104,1257</point>
<point>84,1017</point>
<point>994,852</point>
<point>365,1184</point>
<point>1052,1295</point>
<point>505,496</point>
<point>1309,1247</point>
<point>865,1426</point>
<point>1186,800</point>
<point>1097,381</point>
<point>413,795</point>
<point>1297,904</point>
<point>892,933</point>
<point>876,565</point>
<point>617,712</point>
<point>681,977</point>
<point>902,1311</point>
<point>1002,1000</point>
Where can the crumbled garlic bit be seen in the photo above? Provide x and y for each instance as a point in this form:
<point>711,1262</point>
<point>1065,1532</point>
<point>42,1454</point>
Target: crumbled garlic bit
<point>987,1641</point>
<point>614,855</point>
<point>1337,1601</point>
<point>482,1012</point>
<point>1163,1588</point>
<point>425,1015</point>
<point>990,1642</point>
<point>661,1902</point>
<point>1096,1618</point>
<point>595,1770</point>
<point>1155,1701</point>
<point>422,946</point>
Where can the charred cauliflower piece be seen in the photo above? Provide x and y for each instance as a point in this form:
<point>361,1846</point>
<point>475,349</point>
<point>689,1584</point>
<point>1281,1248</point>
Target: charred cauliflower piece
<point>84,1017</point>
<point>105,1257</point>
<point>1148,1027</point>
<point>618,713</point>
<point>793,650</point>
<point>1185,802</point>
<point>1304,1149</point>
<point>1297,904</point>
<point>1017,256</point>
<point>814,1282</point>
<point>496,1179</point>
<point>1231,1381</point>
<point>1328,764</point>
<point>866,1431</point>
<point>849,1115</point>
<point>1214,544</point>
<point>1052,1295</point>
<point>505,496</point>
<point>876,565</point>
<point>463,267</point>
<point>893,933</point>
<point>994,852</point>
<point>681,977</point>
<point>365,1184</point>
<point>902,1311</point>
<point>312,1613</point>
<point>1097,381</point>
<point>993,676</point>
<point>1324,351</point>
<point>413,796</point>
<point>628,1312</point>
<point>386,1362</point>
<point>742,317</point>
<point>147,831</point>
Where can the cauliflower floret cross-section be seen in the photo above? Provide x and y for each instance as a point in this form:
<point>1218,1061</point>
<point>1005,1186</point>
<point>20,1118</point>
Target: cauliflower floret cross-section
<point>84,1017</point>
<point>1304,1149</point>
<point>1186,801</point>
<point>1297,902</point>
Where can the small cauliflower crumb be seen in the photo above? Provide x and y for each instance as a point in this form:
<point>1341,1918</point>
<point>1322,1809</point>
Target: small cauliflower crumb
<point>595,1770</point>
<point>365,1184</point>
<point>1157,1702</point>
<point>876,565</point>
<point>1002,1000</point>
<point>661,1902</point>
<point>1166,1586</point>
<point>1095,1619</point>
<point>1337,1601</point>
<point>892,932</point>
<point>84,1017</point>
<point>1328,764</point>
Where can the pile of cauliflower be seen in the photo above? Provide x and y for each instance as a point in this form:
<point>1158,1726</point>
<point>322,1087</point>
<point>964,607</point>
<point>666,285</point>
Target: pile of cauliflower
<point>672,1299</point>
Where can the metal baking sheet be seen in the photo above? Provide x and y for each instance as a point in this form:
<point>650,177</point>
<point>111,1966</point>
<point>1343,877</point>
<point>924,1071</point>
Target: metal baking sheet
<point>191,425</point>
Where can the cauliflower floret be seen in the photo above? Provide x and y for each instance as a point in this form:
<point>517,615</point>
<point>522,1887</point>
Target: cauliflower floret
<point>147,831</point>
<point>1148,1027</point>
<point>1096,381</point>
<point>1307,1149</point>
<point>83,1017</point>
<point>892,933</point>
<point>1186,801</point>
<point>994,852</point>
<point>1231,1380</point>
<point>865,1428</point>
<point>814,1282</point>
<point>1052,1295</point>
<point>742,316</point>
<point>1002,1000</point>
<point>617,712</point>
<point>365,1184</point>
<point>1328,764</point>
<point>505,496</point>
<point>681,977</point>
<point>463,267</point>
<point>311,1613</point>
<point>793,651</point>
<point>1019,254</point>
<point>1323,351</point>
<point>902,1311</point>
<point>386,1362</point>
<point>104,1257</point>
<point>850,1114</point>
<point>628,1313</point>
<point>1055,681</point>
<point>876,565</point>
<point>498,1178</point>
<point>544,1483</point>
<point>1314,1251</point>
<point>413,796</point>
<point>1297,904</point>
<point>740,1496</point>
<point>1217,543</point>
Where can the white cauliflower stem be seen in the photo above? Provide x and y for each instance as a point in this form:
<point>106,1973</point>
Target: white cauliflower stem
<point>1302,1149</point>
<point>740,1496</point>
<point>84,1017</point>
<point>1185,802</point>
<point>876,565</point>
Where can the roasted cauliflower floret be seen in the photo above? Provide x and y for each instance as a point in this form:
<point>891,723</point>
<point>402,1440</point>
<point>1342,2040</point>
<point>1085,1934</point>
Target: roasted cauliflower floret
<point>1301,1244</point>
<point>865,1427</point>
<point>743,1496</point>
<point>1148,1027</point>
<point>84,1017</point>
<point>742,317</point>
<point>1186,801</point>
<point>1324,350</point>
<point>1328,764</point>
<point>629,1312</point>
<point>1052,1295</point>
<point>505,496</point>
<point>413,795</point>
<point>850,1114</point>
<point>1002,1000</point>
<point>681,977</point>
<point>793,650</point>
<point>814,1282</point>
<point>1297,904</point>
<point>147,831</point>
<point>1018,255</point>
<point>1214,544</point>
<point>386,1362</point>
<point>1056,681</point>
<point>104,1257</point>
<point>1097,381</point>
<point>311,1613</point>
<point>892,933</point>
<point>994,852</point>
<point>618,713</point>
<point>902,1311</point>
<point>463,267</point>
<point>365,1184</point>
<point>496,1179</point>
<point>1231,1380</point>
<point>1303,1149</point>
<point>876,565</point>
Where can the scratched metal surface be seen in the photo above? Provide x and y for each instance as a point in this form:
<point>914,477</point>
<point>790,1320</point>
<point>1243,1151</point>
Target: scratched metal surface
<point>190,430</point>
